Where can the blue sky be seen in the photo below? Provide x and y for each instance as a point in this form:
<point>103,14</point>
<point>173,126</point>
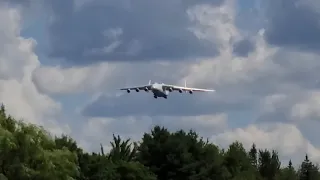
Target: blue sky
<point>65,60</point>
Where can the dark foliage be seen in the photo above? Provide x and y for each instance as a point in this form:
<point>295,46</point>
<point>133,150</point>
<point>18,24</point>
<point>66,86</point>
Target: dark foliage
<point>28,152</point>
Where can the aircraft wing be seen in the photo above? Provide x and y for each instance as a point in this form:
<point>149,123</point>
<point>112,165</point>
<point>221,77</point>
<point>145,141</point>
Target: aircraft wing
<point>181,88</point>
<point>137,87</point>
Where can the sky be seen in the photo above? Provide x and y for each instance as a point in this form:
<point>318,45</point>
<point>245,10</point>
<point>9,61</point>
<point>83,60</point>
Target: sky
<point>62,63</point>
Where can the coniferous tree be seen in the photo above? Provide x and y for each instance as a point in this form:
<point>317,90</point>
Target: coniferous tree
<point>288,173</point>
<point>253,155</point>
<point>238,163</point>
<point>308,171</point>
<point>269,164</point>
<point>275,164</point>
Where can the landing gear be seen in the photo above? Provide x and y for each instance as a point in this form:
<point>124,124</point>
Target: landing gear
<point>155,96</point>
<point>166,97</point>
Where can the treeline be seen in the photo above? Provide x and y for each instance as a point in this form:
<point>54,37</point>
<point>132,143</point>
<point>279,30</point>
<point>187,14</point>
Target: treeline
<point>28,152</point>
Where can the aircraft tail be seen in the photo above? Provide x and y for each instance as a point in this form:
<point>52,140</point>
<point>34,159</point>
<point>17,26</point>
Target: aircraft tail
<point>149,82</point>
<point>185,83</point>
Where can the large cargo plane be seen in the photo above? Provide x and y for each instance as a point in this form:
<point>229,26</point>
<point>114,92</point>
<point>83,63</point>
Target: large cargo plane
<point>162,90</point>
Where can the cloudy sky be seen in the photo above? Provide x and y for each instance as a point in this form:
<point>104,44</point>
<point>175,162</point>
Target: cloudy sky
<point>62,63</point>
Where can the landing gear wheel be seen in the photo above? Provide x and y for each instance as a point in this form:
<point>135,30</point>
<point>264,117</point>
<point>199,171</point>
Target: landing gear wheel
<point>155,97</point>
<point>165,97</point>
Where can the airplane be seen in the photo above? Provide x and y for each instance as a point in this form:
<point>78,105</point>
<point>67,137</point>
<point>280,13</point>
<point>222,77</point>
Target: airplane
<point>162,90</point>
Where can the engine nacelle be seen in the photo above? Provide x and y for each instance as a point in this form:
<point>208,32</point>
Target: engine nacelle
<point>190,92</point>
<point>180,90</point>
<point>170,89</point>
<point>137,90</point>
<point>128,91</point>
<point>146,89</point>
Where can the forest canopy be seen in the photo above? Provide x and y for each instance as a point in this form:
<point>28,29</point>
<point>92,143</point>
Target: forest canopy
<point>28,152</point>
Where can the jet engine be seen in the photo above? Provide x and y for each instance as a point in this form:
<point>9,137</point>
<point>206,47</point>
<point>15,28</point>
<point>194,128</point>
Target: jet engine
<point>190,92</point>
<point>137,90</point>
<point>180,90</point>
<point>128,91</point>
<point>170,89</point>
<point>146,89</point>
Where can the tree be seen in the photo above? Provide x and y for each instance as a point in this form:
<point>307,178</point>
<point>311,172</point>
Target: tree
<point>275,164</point>
<point>269,164</point>
<point>151,152</point>
<point>121,150</point>
<point>288,173</point>
<point>28,152</point>
<point>180,155</point>
<point>82,158</point>
<point>127,171</point>
<point>253,155</point>
<point>308,171</point>
<point>238,162</point>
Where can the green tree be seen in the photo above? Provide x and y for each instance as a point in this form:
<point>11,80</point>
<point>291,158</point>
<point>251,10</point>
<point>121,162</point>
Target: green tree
<point>151,154</point>
<point>116,165</point>
<point>96,168</point>
<point>253,155</point>
<point>180,155</point>
<point>269,164</point>
<point>238,162</point>
<point>123,170</point>
<point>308,171</point>
<point>288,173</point>
<point>122,150</point>
<point>82,158</point>
<point>28,152</point>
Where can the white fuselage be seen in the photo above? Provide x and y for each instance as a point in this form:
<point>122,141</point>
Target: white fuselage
<point>159,91</point>
<point>163,90</point>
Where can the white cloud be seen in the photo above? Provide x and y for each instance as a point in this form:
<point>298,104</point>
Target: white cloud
<point>100,130</point>
<point>17,62</point>
<point>269,103</point>
<point>227,69</point>
<point>269,69</point>
<point>204,124</point>
<point>102,77</point>
<point>276,77</point>
<point>285,138</point>
<point>307,108</point>
<point>71,80</point>
<point>295,107</point>
<point>220,29</point>
<point>265,77</point>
